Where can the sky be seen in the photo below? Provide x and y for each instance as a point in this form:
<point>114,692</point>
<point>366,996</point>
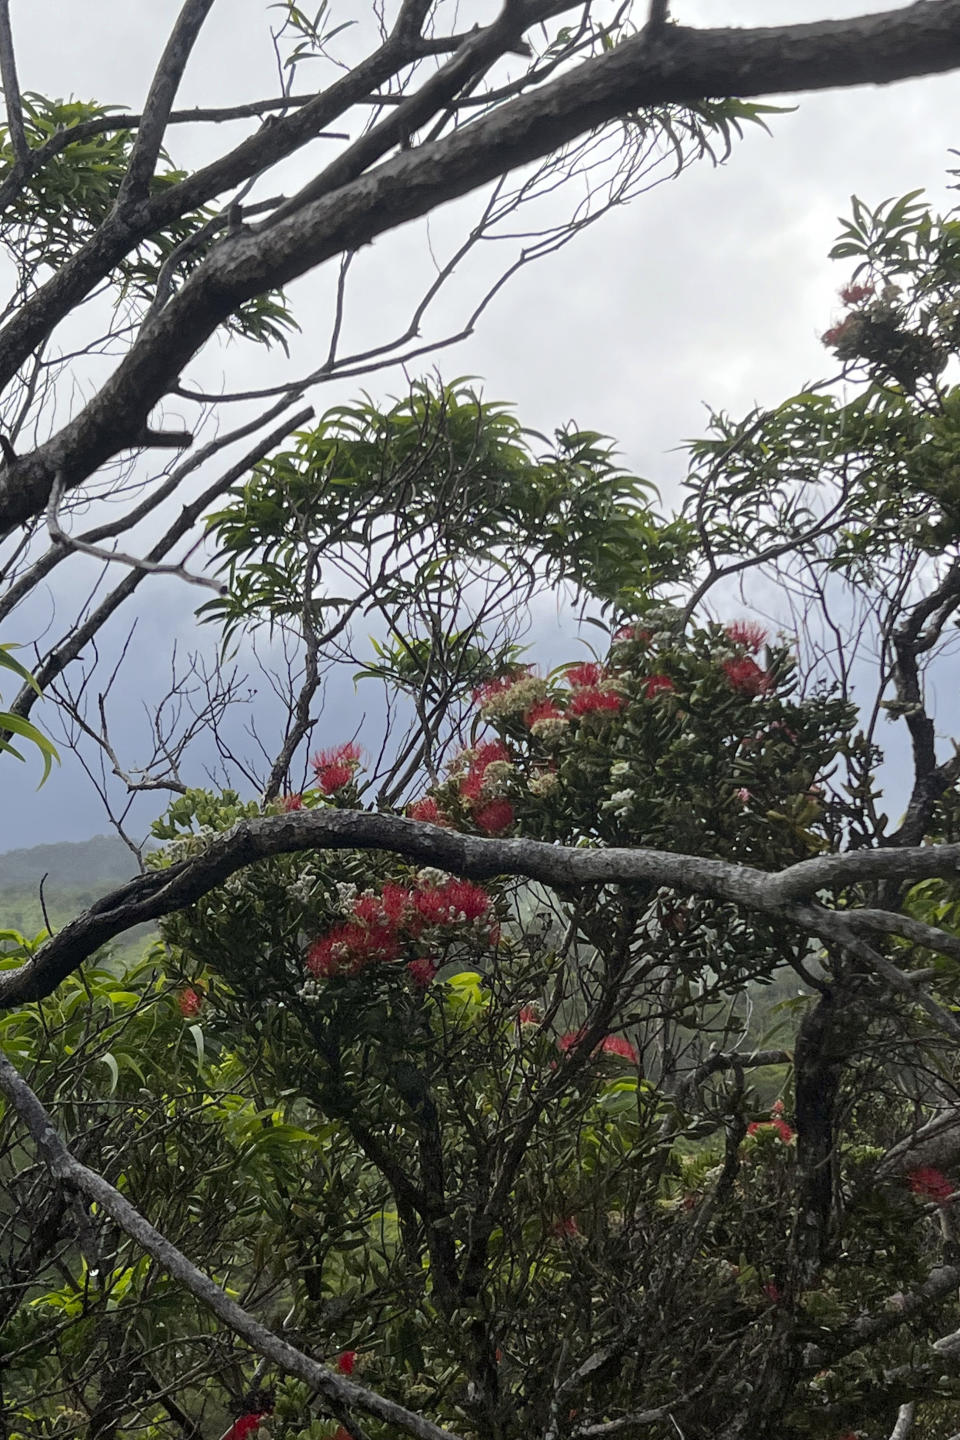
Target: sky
<point>708,291</point>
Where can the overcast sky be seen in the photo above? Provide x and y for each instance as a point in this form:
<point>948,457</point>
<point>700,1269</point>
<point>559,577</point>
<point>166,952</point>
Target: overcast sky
<point>712,289</point>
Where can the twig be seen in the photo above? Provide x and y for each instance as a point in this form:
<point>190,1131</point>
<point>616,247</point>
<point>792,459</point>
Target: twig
<point>60,537</point>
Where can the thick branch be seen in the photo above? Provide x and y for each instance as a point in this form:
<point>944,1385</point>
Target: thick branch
<point>683,66</point>
<point>148,897</point>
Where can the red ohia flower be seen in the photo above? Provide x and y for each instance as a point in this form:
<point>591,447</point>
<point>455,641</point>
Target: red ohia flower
<point>589,674</point>
<point>772,1292</point>
<point>591,698</point>
<point>930,1184</point>
<point>189,1002</point>
<point>657,684</point>
<point>350,948</point>
<point>837,332</point>
<point>543,710</point>
<point>572,1037</point>
<point>453,903</point>
<point>486,692</point>
<point>292,802</point>
<point>335,768</point>
<point>748,633</point>
<point>746,677</point>
<point>496,817</point>
<point>619,1045</point>
<point>422,972</point>
<point>528,1016</point>
<point>427,809</point>
<point>566,1228</point>
<point>245,1426</point>
<point>346,1361</point>
<point>776,1123</point>
<point>853,294</point>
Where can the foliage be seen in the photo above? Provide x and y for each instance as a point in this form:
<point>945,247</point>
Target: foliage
<point>442,482</point>
<point>11,724</point>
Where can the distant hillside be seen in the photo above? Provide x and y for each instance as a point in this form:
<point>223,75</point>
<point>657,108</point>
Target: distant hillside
<point>77,874</point>
<point>101,861</point>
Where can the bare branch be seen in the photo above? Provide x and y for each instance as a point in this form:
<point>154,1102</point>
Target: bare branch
<point>11,86</point>
<point>149,567</point>
<point>156,111</point>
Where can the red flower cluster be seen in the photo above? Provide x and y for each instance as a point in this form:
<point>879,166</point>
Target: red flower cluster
<point>380,925</point>
<point>422,972</point>
<point>656,685</point>
<point>746,677</point>
<point>609,1045</point>
<point>748,633</point>
<point>619,1045</point>
<point>591,698</point>
<point>777,1123</point>
<point>930,1184</point>
<point>494,818</point>
<point>590,674</point>
<point>245,1426</point>
<point>291,802</point>
<point>836,333</point>
<point>543,710</point>
<point>427,809</point>
<point>499,686</point>
<point>492,815</point>
<point>853,294</point>
<point>189,1002</point>
<point>346,1361</point>
<point>336,768</point>
<point>565,1228</point>
<point>528,1016</point>
<point>633,632</point>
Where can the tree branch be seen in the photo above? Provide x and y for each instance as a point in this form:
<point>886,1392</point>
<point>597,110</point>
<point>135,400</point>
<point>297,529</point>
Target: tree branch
<point>65,1168</point>
<point>150,896</point>
<point>683,67</point>
<point>11,87</point>
<point>156,112</point>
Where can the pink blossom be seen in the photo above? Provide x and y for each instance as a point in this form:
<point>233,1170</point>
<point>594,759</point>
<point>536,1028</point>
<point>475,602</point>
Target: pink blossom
<point>292,802</point>
<point>543,710</point>
<point>346,1361</point>
<point>335,768</point>
<point>428,810</point>
<point>589,674</point>
<point>853,294</point>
